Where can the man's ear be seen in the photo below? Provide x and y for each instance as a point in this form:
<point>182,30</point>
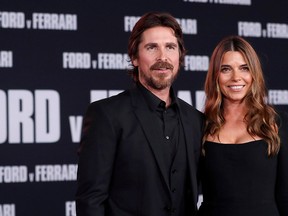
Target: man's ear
<point>135,62</point>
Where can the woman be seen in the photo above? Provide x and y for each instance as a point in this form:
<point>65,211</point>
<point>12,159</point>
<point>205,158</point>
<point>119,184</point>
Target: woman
<point>245,150</point>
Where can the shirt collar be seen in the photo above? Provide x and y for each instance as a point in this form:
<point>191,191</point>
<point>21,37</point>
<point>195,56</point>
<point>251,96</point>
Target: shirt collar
<point>153,101</point>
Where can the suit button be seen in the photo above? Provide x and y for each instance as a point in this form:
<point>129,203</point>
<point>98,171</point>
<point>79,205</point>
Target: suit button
<point>173,190</point>
<point>174,171</point>
<point>170,210</point>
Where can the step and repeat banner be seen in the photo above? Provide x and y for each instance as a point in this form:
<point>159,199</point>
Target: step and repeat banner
<point>58,56</point>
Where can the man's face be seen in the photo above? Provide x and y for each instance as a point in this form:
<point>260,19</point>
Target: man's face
<point>158,58</point>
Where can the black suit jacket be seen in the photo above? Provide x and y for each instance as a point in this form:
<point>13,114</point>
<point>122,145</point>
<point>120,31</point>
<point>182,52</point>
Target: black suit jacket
<point>121,169</point>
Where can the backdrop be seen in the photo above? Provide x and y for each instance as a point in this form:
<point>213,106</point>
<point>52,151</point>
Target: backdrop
<point>58,56</point>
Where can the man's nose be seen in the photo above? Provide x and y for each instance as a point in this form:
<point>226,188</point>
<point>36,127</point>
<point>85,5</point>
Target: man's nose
<point>162,55</point>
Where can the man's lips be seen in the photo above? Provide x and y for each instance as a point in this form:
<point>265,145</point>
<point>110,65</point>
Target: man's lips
<point>162,66</point>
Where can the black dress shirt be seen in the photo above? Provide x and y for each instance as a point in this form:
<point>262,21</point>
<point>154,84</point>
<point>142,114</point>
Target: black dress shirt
<point>168,119</point>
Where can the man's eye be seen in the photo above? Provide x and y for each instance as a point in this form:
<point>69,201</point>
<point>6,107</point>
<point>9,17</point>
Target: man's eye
<point>151,47</point>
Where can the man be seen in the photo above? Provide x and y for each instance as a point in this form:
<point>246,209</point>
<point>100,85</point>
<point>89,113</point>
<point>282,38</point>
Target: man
<point>140,149</point>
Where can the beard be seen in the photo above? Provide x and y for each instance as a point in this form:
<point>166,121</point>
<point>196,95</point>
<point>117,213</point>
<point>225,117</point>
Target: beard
<point>160,81</point>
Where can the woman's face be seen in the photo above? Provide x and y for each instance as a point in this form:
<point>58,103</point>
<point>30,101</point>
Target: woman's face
<point>235,78</point>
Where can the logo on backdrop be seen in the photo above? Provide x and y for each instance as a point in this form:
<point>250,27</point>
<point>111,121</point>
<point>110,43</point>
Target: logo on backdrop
<point>28,117</point>
<point>269,30</point>
<point>6,59</point>
<point>231,2</point>
<point>70,208</point>
<point>104,61</point>
<point>41,21</point>
<point>278,97</point>
<point>8,209</point>
<point>120,61</point>
<point>189,26</point>
<point>196,63</point>
<point>41,173</point>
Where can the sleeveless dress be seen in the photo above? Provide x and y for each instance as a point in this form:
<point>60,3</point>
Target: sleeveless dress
<point>238,180</point>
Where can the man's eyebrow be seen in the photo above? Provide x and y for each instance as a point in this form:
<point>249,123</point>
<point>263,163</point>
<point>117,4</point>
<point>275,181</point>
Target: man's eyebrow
<point>172,43</point>
<point>150,44</point>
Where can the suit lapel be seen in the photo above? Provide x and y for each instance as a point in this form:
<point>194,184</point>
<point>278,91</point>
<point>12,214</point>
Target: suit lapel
<point>151,130</point>
<point>189,129</point>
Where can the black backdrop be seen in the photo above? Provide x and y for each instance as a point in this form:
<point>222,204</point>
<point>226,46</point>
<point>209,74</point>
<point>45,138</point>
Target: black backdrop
<point>57,56</point>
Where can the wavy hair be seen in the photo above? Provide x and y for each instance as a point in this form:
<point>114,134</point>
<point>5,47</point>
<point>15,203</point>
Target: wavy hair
<point>261,118</point>
<point>150,20</point>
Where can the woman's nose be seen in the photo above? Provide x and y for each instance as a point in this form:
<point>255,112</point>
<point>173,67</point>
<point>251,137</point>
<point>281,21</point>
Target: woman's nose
<point>236,76</point>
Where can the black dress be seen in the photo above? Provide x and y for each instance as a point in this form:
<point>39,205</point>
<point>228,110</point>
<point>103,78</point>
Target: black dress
<point>241,180</point>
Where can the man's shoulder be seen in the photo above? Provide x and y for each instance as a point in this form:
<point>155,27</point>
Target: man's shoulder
<point>188,107</point>
<point>112,99</point>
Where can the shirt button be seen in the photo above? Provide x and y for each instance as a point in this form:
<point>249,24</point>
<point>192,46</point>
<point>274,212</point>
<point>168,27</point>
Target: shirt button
<point>167,137</point>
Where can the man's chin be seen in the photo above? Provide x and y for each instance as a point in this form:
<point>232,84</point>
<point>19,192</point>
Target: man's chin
<point>161,84</point>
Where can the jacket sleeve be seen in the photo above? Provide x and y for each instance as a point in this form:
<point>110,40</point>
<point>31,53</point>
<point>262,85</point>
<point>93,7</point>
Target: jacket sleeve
<point>282,169</point>
<point>96,159</point>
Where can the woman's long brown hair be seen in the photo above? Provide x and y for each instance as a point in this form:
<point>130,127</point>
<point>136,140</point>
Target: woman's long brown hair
<point>261,118</point>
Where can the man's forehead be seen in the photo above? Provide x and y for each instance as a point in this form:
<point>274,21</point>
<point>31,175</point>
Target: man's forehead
<point>159,34</point>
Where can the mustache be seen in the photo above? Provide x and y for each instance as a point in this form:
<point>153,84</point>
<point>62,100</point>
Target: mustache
<point>161,64</point>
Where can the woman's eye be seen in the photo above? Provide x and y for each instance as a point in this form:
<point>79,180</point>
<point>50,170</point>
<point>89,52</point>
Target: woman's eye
<point>245,68</point>
<point>225,69</point>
